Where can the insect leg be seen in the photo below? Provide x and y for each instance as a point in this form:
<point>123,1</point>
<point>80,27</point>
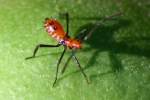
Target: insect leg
<point>99,23</point>
<point>67,22</point>
<point>65,66</point>
<point>76,60</point>
<point>65,48</point>
<point>41,46</point>
<point>66,16</point>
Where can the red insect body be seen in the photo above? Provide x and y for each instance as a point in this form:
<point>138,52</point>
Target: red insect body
<point>55,29</point>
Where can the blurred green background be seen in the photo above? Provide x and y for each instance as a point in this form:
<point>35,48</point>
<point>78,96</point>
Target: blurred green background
<point>116,58</point>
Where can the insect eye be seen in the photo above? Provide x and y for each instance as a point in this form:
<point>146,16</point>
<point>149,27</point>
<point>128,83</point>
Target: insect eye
<point>55,27</point>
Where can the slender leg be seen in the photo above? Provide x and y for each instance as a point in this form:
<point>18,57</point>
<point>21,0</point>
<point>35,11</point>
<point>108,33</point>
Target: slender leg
<point>58,65</point>
<point>110,17</point>
<point>41,46</point>
<point>65,66</point>
<point>98,23</point>
<point>66,16</point>
<point>67,22</point>
<point>76,60</point>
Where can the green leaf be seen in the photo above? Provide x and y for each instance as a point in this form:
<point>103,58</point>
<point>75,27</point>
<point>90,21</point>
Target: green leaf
<point>116,58</point>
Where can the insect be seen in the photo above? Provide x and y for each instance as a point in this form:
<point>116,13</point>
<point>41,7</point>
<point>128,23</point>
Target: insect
<point>55,30</point>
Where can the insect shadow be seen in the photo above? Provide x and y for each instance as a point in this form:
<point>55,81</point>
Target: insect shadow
<point>102,39</point>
